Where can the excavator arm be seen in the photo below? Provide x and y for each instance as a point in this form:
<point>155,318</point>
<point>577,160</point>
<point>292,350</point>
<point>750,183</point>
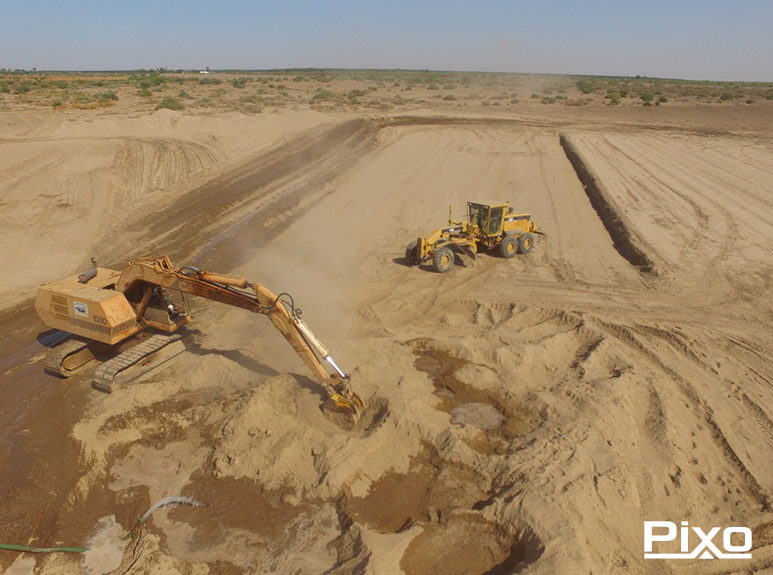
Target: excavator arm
<point>148,273</point>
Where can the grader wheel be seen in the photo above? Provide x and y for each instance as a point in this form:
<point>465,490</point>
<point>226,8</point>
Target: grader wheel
<point>410,253</point>
<point>508,247</point>
<point>525,243</point>
<point>443,260</point>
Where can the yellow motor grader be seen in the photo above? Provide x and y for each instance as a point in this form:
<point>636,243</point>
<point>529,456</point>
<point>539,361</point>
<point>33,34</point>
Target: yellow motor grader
<point>489,226</point>
<point>108,314</point>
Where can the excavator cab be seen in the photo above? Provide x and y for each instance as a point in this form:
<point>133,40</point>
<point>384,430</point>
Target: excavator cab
<point>488,218</point>
<point>159,307</point>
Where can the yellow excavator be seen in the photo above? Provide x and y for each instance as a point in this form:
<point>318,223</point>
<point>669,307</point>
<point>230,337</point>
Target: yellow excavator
<point>104,309</point>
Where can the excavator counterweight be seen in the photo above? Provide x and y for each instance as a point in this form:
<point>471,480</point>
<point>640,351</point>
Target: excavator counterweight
<point>105,307</point>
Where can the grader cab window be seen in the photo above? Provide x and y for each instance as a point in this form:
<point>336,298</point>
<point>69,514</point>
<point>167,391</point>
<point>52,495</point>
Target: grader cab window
<point>495,221</point>
<point>488,219</point>
<point>479,215</point>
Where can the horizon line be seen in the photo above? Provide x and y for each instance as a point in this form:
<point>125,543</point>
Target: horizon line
<point>165,70</point>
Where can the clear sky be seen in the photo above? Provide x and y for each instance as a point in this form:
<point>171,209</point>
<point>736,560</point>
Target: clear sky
<point>692,39</point>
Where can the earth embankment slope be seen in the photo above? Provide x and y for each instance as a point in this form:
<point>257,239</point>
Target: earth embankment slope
<point>69,186</point>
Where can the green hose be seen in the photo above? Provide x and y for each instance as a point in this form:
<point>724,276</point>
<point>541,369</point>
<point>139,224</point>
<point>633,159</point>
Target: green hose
<point>28,549</point>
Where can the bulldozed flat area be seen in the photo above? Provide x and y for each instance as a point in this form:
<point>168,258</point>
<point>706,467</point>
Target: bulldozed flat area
<point>524,415</point>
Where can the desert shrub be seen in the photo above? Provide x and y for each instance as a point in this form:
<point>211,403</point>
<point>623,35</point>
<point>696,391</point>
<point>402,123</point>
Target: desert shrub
<point>534,96</point>
<point>56,103</point>
<point>170,104</point>
<point>726,96</point>
<point>251,99</point>
<point>23,87</point>
<point>147,81</point>
<point>209,80</point>
<point>322,95</point>
<point>62,84</point>
<point>106,97</point>
<point>647,97</point>
<point>183,94</point>
<point>586,86</point>
<point>548,100</point>
<point>82,98</point>
<point>613,97</point>
<point>662,99</point>
<point>5,88</point>
<point>449,97</point>
<point>144,93</point>
<point>749,100</point>
<point>239,82</point>
<point>433,87</point>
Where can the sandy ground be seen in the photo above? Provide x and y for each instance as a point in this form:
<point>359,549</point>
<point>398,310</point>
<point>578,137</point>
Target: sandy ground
<point>524,415</point>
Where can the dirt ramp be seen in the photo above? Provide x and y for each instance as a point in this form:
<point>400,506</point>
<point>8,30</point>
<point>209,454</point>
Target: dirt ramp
<point>625,240</point>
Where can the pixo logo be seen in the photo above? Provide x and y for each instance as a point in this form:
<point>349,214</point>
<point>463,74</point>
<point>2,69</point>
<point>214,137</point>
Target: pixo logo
<point>663,531</point>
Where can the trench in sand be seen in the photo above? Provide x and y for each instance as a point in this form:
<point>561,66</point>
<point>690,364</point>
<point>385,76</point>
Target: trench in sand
<point>624,239</point>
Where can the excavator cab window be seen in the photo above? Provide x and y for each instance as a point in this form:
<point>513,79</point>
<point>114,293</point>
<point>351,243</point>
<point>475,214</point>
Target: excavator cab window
<point>174,302</point>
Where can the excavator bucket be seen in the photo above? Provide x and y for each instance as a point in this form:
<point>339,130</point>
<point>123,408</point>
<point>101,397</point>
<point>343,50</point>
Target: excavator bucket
<point>350,407</point>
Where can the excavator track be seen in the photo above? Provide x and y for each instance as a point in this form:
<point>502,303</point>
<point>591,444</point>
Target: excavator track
<point>66,357</point>
<point>131,363</point>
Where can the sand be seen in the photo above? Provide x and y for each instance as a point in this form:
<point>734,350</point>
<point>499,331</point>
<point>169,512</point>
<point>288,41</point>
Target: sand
<point>524,415</point>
